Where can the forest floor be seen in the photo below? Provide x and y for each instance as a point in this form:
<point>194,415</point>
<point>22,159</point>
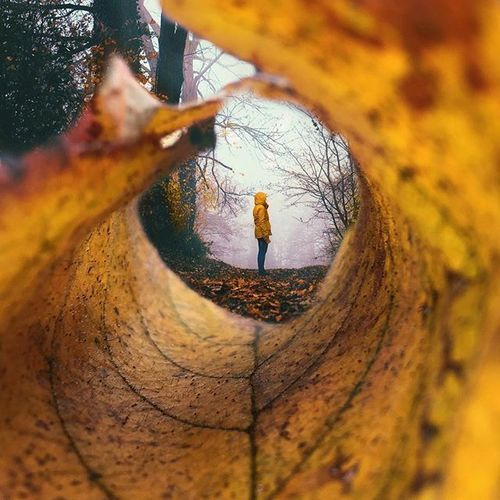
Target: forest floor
<point>279,296</point>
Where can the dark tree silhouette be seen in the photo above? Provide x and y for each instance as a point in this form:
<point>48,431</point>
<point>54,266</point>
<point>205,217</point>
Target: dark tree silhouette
<point>40,91</point>
<point>168,209</point>
<point>52,54</point>
<point>118,29</point>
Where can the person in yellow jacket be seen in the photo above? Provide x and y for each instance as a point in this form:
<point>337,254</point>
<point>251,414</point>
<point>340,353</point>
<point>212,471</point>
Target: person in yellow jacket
<point>262,228</point>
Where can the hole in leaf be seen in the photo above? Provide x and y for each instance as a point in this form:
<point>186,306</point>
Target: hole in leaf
<point>210,227</point>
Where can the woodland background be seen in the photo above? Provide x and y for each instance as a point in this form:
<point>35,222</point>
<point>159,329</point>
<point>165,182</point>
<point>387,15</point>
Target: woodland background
<point>53,56</point>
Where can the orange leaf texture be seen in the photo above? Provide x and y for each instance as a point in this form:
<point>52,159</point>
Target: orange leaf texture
<point>118,381</point>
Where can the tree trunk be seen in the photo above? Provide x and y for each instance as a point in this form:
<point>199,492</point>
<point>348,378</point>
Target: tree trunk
<point>151,52</point>
<point>168,209</point>
<point>169,71</point>
<point>187,174</point>
<point>118,24</point>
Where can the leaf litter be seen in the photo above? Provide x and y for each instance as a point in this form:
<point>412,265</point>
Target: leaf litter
<point>280,295</point>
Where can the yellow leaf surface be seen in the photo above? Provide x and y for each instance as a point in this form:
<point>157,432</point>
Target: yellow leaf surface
<point>120,382</point>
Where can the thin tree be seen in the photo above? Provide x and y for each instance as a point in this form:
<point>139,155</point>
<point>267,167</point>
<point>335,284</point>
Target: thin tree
<point>168,209</point>
<point>322,175</point>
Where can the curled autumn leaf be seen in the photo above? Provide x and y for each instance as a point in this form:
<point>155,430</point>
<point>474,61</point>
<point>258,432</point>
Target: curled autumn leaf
<point>51,197</point>
<point>119,381</point>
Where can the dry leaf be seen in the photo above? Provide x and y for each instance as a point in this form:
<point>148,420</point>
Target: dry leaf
<point>119,381</point>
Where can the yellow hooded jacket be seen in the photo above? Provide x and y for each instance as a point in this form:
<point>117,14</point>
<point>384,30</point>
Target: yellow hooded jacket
<point>261,217</point>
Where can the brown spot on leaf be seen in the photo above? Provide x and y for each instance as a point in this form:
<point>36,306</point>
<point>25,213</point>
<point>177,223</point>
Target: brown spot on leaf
<point>475,76</point>
<point>407,173</point>
<point>423,479</point>
<point>343,473</point>
<point>419,89</point>
<point>423,23</point>
<point>42,425</point>
<point>428,430</point>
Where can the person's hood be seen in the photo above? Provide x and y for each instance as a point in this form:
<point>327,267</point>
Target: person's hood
<point>260,199</point>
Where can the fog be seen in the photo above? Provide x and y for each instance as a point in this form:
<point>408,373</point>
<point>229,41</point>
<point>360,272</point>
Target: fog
<point>294,242</point>
<point>297,237</point>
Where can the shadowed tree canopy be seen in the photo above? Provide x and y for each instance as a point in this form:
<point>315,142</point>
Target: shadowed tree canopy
<point>40,91</point>
<point>168,209</point>
<point>118,28</point>
<point>51,57</point>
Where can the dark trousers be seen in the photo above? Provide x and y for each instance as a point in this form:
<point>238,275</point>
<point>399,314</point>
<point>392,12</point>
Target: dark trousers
<point>261,257</point>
